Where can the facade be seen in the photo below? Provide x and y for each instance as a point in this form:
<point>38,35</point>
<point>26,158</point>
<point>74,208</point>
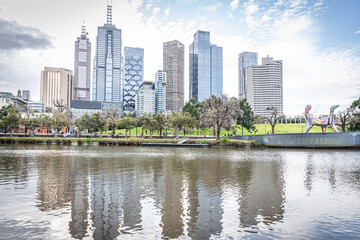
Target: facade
<point>245,59</point>
<point>173,66</point>
<point>26,95</point>
<point>160,90</point>
<point>7,98</point>
<point>145,99</point>
<point>56,84</point>
<point>82,66</point>
<point>205,67</point>
<point>133,76</point>
<point>107,86</point>
<point>80,107</point>
<point>36,106</point>
<point>265,86</point>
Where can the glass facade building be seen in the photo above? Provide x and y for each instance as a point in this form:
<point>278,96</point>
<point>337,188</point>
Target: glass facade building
<point>205,67</point>
<point>133,76</point>
<point>160,90</point>
<point>82,66</point>
<point>107,85</point>
<point>245,59</point>
<point>145,99</point>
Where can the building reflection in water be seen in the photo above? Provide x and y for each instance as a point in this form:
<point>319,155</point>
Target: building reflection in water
<point>261,187</point>
<point>53,189</point>
<point>107,196</point>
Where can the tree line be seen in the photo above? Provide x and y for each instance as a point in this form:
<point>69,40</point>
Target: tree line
<point>215,112</point>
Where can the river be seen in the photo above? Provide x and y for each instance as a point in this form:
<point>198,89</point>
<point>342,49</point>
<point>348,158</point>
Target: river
<point>86,192</point>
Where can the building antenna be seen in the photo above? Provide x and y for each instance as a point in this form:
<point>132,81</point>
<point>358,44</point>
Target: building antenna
<point>83,29</point>
<point>109,12</point>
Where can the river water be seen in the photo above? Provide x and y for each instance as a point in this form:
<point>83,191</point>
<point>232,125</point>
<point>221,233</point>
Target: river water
<point>63,192</point>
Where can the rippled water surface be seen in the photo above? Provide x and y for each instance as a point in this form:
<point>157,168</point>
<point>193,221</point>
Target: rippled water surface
<point>63,192</point>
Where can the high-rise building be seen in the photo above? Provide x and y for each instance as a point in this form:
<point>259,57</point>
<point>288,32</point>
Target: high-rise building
<point>205,67</point>
<point>160,90</point>
<point>56,85</point>
<point>82,66</point>
<point>145,99</point>
<point>264,87</point>
<point>107,86</point>
<point>245,59</point>
<point>133,75</point>
<point>173,66</point>
<point>26,95</point>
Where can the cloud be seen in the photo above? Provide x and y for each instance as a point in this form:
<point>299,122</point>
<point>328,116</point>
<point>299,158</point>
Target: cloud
<point>357,32</point>
<point>156,11</point>
<point>14,36</point>
<point>167,12</point>
<point>211,8</point>
<point>234,4</point>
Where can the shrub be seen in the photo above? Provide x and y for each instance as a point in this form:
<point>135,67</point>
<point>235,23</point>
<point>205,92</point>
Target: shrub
<point>202,142</point>
<point>80,142</point>
<point>225,141</point>
<point>48,141</point>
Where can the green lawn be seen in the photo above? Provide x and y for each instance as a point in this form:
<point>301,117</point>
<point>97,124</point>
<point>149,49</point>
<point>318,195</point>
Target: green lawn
<point>261,129</point>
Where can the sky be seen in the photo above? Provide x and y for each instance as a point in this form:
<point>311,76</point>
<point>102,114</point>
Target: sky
<point>317,40</point>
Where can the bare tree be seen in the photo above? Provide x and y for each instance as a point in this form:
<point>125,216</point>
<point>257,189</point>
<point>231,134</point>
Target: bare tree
<point>273,118</point>
<point>219,112</point>
<point>344,118</point>
<point>59,105</point>
<point>112,115</point>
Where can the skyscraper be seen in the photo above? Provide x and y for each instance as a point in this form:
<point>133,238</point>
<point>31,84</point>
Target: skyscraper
<point>173,66</point>
<point>160,90</point>
<point>133,76</point>
<point>264,86</point>
<point>107,85</point>
<point>56,84</point>
<point>206,67</point>
<point>82,66</point>
<point>245,59</point>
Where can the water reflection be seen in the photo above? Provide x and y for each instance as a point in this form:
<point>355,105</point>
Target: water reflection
<point>110,193</point>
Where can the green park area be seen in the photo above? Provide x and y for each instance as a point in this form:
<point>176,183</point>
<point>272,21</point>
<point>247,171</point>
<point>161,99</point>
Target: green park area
<point>260,129</point>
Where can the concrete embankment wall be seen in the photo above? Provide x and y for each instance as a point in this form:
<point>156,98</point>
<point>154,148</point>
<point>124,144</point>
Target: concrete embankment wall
<point>327,140</point>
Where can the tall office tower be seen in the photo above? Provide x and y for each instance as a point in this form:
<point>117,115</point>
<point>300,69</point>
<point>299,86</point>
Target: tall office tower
<point>145,99</point>
<point>264,87</point>
<point>160,91</point>
<point>26,95</point>
<point>245,59</point>
<point>56,84</point>
<point>82,66</point>
<point>133,75</point>
<point>173,66</point>
<point>206,67</point>
<point>107,85</point>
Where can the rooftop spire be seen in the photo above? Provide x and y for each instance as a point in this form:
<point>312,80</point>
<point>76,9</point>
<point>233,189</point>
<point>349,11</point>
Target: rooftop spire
<point>83,29</point>
<point>109,12</point>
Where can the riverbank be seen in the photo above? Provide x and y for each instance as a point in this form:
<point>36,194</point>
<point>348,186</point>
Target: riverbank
<point>131,141</point>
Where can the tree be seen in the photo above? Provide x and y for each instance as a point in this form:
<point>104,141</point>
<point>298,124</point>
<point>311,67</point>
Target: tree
<point>98,122</point>
<point>160,121</point>
<point>273,118</point>
<point>148,122</point>
<point>112,116</point>
<point>84,122</point>
<point>30,120</point>
<point>11,120</point>
<point>126,123</point>
<point>193,107</point>
<point>247,119</point>
<point>58,122</point>
<point>219,112</point>
<point>4,112</point>
<point>345,117</point>
<point>355,124</point>
<point>179,121</point>
<point>45,121</point>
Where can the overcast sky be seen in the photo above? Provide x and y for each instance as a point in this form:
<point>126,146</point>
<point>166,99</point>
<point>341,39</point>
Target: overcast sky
<point>318,41</point>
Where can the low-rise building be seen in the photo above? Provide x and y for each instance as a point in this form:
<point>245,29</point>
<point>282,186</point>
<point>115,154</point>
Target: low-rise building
<point>7,98</point>
<point>36,106</point>
<point>80,107</point>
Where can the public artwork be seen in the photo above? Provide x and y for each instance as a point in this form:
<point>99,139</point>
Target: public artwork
<point>322,122</point>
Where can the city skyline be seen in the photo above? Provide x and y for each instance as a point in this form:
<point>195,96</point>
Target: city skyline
<point>317,52</point>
